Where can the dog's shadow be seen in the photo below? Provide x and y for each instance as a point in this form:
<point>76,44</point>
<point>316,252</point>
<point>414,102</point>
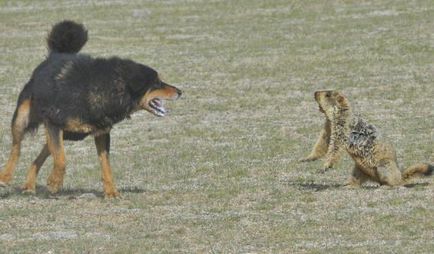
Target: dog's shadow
<point>43,193</point>
<point>79,193</point>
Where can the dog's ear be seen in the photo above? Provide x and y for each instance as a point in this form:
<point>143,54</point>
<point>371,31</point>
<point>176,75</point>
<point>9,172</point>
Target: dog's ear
<point>140,78</point>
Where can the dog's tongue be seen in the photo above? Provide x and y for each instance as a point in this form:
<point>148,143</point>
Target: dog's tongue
<point>156,102</point>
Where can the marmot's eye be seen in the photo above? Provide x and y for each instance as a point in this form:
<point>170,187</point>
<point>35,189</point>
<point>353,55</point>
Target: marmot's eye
<point>328,94</point>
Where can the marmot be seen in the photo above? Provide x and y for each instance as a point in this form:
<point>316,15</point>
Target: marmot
<point>374,160</point>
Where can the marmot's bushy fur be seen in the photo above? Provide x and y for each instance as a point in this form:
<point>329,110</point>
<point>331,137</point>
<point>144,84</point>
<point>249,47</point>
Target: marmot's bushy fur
<point>374,160</point>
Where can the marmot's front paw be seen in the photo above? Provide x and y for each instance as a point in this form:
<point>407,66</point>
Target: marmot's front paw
<point>324,169</point>
<point>304,160</point>
<point>307,159</point>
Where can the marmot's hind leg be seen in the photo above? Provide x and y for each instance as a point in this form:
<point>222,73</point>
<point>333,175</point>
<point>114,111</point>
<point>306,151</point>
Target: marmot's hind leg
<point>357,178</point>
<point>388,173</point>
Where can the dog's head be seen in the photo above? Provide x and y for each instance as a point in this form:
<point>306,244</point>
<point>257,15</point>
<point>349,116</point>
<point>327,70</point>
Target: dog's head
<point>331,100</point>
<point>151,91</point>
<point>153,99</point>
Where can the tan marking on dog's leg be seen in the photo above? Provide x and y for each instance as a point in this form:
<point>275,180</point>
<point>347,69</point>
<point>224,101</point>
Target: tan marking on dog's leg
<point>55,146</point>
<point>102,143</point>
<point>18,127</point>
<point>32,173</point>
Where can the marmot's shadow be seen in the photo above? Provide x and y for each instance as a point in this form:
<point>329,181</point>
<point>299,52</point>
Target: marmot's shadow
<point>312,186</point>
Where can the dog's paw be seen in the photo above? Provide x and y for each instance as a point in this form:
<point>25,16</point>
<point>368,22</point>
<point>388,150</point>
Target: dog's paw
<point>28,189</point>
<point>53,186</point>
<point>4,180</point>
<point>112,195</point>
<point>54,182</point>
<point>3,184</point>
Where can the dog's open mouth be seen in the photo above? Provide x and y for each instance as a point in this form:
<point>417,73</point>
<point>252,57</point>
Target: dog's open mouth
<point>156,107</point>
<point>153,100</point>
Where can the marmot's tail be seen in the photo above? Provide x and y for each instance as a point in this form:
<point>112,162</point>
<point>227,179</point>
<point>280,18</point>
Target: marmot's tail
<point>417,170</point>
<point>67,37</point>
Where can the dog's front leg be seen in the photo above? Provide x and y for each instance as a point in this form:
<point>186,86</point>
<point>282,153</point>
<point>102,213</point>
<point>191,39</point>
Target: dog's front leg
<point>102,143</point>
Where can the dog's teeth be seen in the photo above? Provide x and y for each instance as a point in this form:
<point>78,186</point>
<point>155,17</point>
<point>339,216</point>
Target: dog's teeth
<point>157,106</point>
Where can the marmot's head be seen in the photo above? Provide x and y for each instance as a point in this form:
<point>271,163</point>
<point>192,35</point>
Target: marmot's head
<point>329,101</point>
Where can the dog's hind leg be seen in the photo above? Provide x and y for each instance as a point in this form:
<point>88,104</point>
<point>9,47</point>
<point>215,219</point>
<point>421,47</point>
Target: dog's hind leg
<point>32,173</point>
<point>19,124</point>
<point>55,147</point>
<point>102,143</point>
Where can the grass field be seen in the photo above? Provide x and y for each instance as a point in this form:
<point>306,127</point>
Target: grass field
<point>220,174</point>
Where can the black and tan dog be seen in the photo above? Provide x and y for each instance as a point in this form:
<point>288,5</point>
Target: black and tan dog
<point>73,96</point>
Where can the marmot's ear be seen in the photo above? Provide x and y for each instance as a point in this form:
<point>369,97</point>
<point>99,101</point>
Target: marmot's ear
<point>340,98</point>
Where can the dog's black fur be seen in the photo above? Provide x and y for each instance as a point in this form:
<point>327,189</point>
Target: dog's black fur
<point>91,93</point>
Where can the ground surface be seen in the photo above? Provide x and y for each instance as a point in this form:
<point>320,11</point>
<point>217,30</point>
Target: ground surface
<point>220,173</point>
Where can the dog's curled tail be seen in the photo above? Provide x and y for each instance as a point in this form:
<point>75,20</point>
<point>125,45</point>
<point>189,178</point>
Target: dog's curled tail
<point>66,37</point>
<point>420,169</point>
